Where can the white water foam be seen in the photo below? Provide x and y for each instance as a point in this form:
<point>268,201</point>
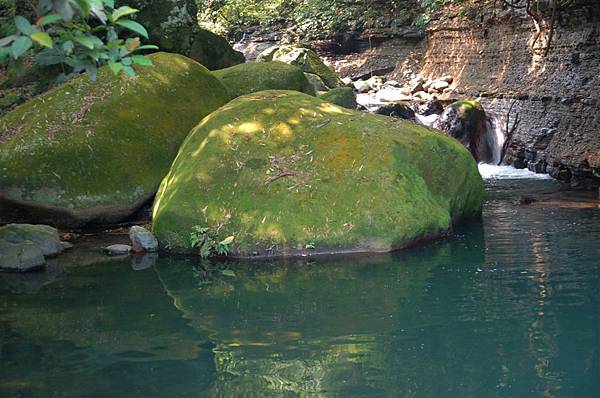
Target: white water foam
<point>491,172</point>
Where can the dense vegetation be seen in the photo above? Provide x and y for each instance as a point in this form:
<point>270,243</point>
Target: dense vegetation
<point>313,18</point>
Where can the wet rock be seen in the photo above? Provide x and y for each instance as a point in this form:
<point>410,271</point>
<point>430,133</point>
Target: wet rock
<point>117,250</point>
<point>433,107</point>
<point>23,256</point>
<point>43,236</point>
<point>142,240</point>
<point>141,262</point>
<point>402,111</point>
<point>375,82</point>
<point>465,121</point>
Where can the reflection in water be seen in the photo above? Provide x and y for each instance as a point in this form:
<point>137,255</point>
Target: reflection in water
<point>507,307</point>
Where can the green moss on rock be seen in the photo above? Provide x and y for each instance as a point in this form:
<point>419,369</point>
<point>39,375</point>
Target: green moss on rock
<point>287,173</point>
<point>304,58</point>
<point>258,76</point>
<point>342,96</point>
<point>95,151</point>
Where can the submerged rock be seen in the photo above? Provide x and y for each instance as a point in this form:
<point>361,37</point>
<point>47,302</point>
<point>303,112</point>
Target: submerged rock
<point>304,58</point>
<point>342,96</point>
<point>465,121</point>
<point>44,236</point>
<point>117,250</point>
<point>258,76</point>
<point>286,173</point>
<point>22,256</point>
<point>97,151</point>
<point>142,240</point>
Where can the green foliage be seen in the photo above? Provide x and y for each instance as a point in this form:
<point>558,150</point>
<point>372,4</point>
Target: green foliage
<point>206,241</point>
<point>81,35</point>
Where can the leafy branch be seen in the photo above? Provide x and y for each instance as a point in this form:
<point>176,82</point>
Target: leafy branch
<point>205,240</point>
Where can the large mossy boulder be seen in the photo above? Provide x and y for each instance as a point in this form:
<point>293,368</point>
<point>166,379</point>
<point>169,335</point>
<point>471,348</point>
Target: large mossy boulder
<point>286,173</point>
<point>173,26</point>
<point>304,58</point>
<point>96,151</point>
<point>258,76</point>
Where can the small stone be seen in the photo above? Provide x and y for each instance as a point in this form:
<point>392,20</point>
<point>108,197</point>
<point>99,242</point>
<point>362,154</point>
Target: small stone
<point>362,86</point>
<point>347,81</point>
<point>44,236</point>
<point>439,85</point>
<point>142,240</point>
<point>117,250</point>
<point>22,256</point>
<point>391,94</point>
<point>66,245</point>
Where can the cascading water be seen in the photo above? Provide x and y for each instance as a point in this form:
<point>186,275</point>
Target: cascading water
<point>494,138</point>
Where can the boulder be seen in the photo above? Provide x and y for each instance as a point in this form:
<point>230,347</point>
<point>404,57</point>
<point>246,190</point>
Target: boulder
<point>432,107</point>
<point>398,110</point>
<point>304,58</point>
<point>392,94</point>
<point>341,96</point>
<point>286,174</point>
<point>465,120</point>
<point>20,257</point>
<point>97,151</point>
<point>317,83</point>
<point>142,240</point>
<point>173,26</point>
<point>43,236</point>
<point>258,76</point>
<point>361,86</point>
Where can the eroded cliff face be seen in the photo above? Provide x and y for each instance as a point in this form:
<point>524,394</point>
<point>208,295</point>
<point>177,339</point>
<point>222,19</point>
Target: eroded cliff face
<point>552,101</point>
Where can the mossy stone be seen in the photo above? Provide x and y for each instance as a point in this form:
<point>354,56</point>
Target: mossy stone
<point>286,173</point>
<point>258,76</point>
<point>96,151</point>
<point>304,58</point>
<point>342,96</point>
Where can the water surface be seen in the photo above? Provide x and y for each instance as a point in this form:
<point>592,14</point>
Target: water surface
<point>508,307</point>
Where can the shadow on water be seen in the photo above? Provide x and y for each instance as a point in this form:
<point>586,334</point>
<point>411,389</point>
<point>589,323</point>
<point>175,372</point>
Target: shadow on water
<point>506,307</point>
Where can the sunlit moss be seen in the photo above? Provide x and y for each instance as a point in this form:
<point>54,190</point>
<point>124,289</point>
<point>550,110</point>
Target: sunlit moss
<point>339,180</point>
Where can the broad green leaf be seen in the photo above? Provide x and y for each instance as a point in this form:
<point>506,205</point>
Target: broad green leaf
<point>84,6</point>
<point>133,26</point>
<point>129,71</point>
<point>42,38</point>
<point>7,40</point>
<point>121,12</point>
<point>23,25</point>
<point>127,61</point>
<point>50,18</point>
<point>147,47</point>
<point>92,71</point>
<point>20,46</point>
<point>68,47</point>
<point>4,53</point>
<point>226,241</point>
<point>85,41</point>
<point>141,60</point>
<point>109,3</point>
<point>228,272</point>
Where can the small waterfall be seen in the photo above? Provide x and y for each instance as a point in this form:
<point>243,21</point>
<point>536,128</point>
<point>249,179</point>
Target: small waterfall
<point>494,139</point>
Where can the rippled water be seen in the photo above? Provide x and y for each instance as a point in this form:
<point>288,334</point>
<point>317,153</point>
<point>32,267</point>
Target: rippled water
<point>508,307</point>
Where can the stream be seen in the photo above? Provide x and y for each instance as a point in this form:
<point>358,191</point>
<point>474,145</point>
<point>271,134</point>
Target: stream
<point>509,306</point>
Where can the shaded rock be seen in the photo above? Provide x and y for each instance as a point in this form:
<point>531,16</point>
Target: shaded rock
<point>432,107</point>
<point>173,26</point>
<point>399,110</point>
<point>465,121</point>
<point>66,245</point>
<point>305,59</point>
<point>117,250</point>
<point>142,240</point>
<point>44,236</point>
<point>97,151</point>
<point>23,256</point>
<point>257,76</point>
<point>316,82</point>
<point>281,171</point>
<point>342,96</point>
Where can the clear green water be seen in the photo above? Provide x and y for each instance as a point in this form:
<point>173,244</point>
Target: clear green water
<point>509,307</point>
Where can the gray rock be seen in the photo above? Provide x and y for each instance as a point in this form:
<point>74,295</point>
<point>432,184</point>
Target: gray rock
<point>362,86</point>
<point>21,256</point>
<point>391,94</point>
<point>44,236</point>
<point>316,82</point>
<point>142,240</point>
<point>117,250</point>
<point>66,245</point>
<point>347,81</point>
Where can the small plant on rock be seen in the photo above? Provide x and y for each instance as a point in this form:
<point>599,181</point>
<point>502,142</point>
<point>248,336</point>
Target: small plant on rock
<point>206,241</point>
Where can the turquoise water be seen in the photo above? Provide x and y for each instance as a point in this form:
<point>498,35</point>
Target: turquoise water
<point>508,307</point>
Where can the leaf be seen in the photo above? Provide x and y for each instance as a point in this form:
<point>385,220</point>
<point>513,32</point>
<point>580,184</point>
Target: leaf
<point>92,71</point>
<point>4,53</point>
<point>20,46</point>
<point>127,61</point>
<point>48,19</point>
<point>228,272</point>
<point>109,3</point>
<point>147,47</point>
<point>48,57</point>
<point>68,46</point>
<point>132,44</point>
<point>85,41</point>
<point>129,71</point>
<point>141,60</point>
<point>117,67</point>
<point>226,241</point>
<point>7,40</point>
<point>133,26</point>
<point>23,25</point>
<point>121,12</point>
<point>42,38</point>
